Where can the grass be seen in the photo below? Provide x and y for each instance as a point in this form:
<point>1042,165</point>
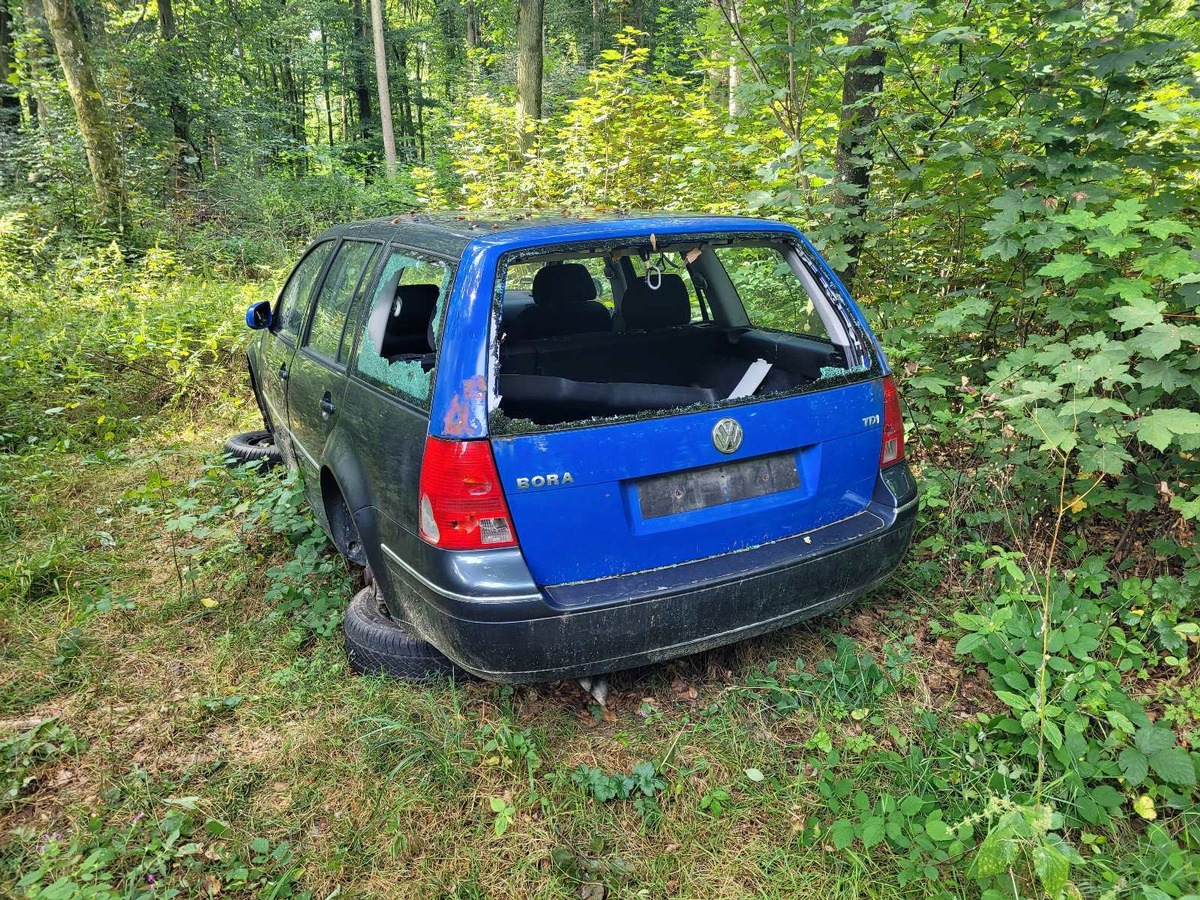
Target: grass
<point>176,713</point>
<point>383,788</point>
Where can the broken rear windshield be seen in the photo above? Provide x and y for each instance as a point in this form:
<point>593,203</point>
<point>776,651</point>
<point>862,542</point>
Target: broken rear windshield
<point>595,334</point>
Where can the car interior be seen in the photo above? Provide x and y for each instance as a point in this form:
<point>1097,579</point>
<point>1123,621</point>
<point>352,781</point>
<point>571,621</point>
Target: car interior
<point>404,329</point>
<point>677,330</point>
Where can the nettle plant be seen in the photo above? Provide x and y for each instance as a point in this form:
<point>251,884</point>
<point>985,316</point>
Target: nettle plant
<point>1099,747</point>
<point>1118,384</point>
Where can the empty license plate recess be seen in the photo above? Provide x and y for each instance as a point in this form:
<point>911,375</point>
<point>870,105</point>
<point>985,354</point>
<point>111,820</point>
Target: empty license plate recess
<point>692,489</point>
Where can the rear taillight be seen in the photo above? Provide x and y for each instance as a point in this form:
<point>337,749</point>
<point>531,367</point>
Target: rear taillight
<point>462,503</point>
<point>893,426</point>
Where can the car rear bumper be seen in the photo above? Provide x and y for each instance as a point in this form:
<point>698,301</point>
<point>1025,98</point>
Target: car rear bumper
<point>568,631</point>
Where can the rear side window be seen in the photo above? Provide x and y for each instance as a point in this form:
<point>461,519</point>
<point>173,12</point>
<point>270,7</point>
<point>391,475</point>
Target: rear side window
<point>771,294</point>
<point>293,300</point>
<point>341,286</point>
<point>396,345</point>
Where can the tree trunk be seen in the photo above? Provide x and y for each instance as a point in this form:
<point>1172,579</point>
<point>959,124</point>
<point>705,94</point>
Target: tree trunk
<point>362,93</point>
<point>736,107</point>
<point>473,41</point>
<point>451,47</point>
<point>854,155</point>
<point>325,81</point>
<point>176,109</point>
<point>381,81</point>
<point>529,73</point>
<point>10,103</point>
<point>95,124</point>
<point>420,104</point>
<point>597,28</point>
<point>404,101</point>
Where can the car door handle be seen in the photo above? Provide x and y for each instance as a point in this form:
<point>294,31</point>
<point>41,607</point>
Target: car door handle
<point>283,372</point>
<point>327,406</point>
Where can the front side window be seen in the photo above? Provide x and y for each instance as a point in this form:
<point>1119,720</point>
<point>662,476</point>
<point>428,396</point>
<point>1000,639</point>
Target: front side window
<point>293,300</point>
<point>396,346</point>
<point>341,286</point>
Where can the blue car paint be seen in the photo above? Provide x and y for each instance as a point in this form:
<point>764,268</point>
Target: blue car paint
<point>838,465</point>
<point>837,452</point>
<point>484,609</point>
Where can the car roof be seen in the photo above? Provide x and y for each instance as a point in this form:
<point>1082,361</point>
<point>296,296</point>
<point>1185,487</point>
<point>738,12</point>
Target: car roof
<point>449,233</point>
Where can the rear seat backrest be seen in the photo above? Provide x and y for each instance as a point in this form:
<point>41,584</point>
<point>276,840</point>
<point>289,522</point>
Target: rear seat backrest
<point>564,298</point>
<point>647,309</point>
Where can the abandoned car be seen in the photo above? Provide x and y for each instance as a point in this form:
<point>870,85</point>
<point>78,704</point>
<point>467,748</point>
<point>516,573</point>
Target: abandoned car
<point>564,447</point>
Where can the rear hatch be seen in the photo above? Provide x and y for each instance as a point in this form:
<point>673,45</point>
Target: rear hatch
<point>606,500</point>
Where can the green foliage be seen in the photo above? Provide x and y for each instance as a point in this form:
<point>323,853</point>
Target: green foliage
<point>156,854</point>
<point>512,748</point>
<point>847,683</point>
<point>504,811</point>
<point>603,787</point>
<point>91,343</point>
<point>1030,253</point>
<point>1099,741</point>
<point>223,515</point>
<point>25,754</point>
<point>630,140</point>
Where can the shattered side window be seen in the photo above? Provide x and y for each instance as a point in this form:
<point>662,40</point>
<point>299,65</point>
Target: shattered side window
<point>396,349</point>
<point>336,296</point>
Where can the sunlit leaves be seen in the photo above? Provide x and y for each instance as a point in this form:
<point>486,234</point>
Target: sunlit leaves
<point>1162,426</point>
<point>1140,312</point>
<point>1068,266</point>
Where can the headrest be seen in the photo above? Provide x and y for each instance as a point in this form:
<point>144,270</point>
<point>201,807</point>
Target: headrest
<point>645,309</point>
<point>559,283</point>
<point>377,323</point>
<point>402,326</point>
<point>413,308</point>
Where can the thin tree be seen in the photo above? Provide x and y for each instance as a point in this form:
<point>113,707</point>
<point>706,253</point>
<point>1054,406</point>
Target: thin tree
<point>597,28</point>
<point>529,72</point>
<point>862,82</point>
<point>736,107</point>
<point>362,93</point>
<point>385,98</point>
<point>10,104</point>
<point>176,108</point>
<point>472,36</point>
<point>95,124</point>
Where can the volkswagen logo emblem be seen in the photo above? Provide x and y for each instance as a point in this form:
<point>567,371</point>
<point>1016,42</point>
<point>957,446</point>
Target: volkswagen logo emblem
<point>727,435</point>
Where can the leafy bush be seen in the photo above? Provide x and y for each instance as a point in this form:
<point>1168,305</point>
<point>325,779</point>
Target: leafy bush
<point>629,141</point>
<point>92,343</point>
<point>308,589</point>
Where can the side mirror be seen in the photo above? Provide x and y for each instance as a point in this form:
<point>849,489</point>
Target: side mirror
<point>259,315</point>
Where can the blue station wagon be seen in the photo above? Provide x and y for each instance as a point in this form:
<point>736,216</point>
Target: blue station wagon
<point>564,447</point>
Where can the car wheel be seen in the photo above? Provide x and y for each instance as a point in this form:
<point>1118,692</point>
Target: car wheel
<point>377,645</point>
<point>254,446</point>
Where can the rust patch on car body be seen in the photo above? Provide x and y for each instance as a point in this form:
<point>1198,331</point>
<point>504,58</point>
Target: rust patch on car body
<point>467,408</point>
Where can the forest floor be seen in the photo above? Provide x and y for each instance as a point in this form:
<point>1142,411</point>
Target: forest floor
<point>385,788</point>
<point>178,715</point>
